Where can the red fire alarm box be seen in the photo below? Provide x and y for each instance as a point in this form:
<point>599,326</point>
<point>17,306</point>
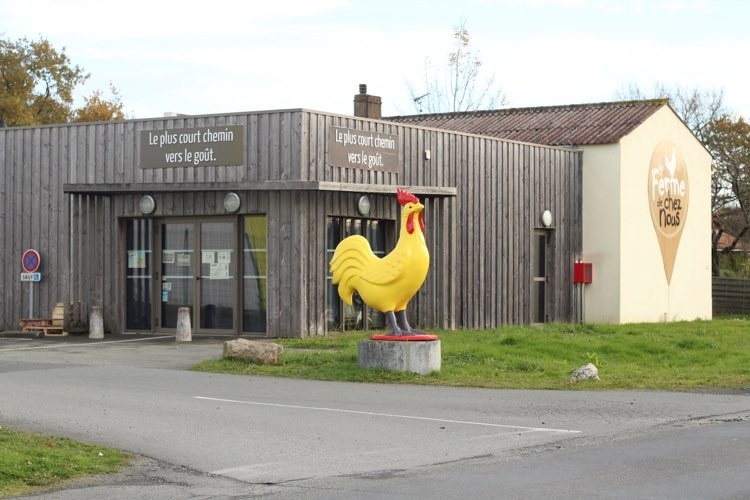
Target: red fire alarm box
<point>582,272</point>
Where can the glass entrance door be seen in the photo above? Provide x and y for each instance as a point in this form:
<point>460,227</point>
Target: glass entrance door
<point>198,271</point>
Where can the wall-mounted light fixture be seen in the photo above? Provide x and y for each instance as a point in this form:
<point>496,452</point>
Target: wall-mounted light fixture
<point>546,218</point>
<point>363,205</point>
<point>147,204</point>
<point>232,202</point>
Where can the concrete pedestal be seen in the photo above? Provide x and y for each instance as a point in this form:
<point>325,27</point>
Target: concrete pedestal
<point>422,357</point>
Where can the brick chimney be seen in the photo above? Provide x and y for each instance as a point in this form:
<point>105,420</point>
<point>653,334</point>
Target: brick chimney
<point>365,105</point>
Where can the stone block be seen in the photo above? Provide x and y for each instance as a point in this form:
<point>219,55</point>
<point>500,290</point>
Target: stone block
<point>422,357</point>
<point>265,353</point>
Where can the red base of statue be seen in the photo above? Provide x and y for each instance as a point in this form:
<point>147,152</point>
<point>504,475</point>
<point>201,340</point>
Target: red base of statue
<point>404,338</point>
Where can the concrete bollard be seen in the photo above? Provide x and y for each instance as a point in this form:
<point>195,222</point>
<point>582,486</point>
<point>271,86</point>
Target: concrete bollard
<point>184,331</point>
<point>96,323</point>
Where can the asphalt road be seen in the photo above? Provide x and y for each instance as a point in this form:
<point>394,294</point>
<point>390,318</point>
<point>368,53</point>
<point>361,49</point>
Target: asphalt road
<point>221,436</point>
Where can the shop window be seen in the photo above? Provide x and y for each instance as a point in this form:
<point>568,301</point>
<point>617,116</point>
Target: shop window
<point>217,284</point>
<point>138,235</point>
<point>539,273</point>
<point>255,274</point>
<point>339,315</point>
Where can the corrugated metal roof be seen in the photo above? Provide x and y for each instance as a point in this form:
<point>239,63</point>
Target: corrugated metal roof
<point>570,125</point>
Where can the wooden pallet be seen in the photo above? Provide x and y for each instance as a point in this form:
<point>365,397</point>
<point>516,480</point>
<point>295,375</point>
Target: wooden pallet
<point>49,327</point>
<point>48,331</point>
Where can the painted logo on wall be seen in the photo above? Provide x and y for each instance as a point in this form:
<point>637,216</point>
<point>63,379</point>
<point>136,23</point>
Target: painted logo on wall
<point>668,196</point>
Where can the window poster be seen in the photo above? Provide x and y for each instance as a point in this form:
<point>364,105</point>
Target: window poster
<point>219,271</point>
<point>136,259</point>
<point>208,257</point>
<point>183,259</point>
<point>167,257</point>
<point>224,256</point>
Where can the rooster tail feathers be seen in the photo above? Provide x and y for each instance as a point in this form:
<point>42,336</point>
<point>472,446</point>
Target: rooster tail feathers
<point>352,255</point>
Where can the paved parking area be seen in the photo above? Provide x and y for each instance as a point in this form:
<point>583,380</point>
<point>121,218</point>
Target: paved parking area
<point>146,351</point>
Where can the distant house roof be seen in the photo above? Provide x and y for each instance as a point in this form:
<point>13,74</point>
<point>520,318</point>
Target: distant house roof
<point>726,240</point>
<point>570,125</point>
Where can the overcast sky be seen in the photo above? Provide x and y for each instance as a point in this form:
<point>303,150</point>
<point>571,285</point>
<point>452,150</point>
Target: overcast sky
<point>217,56</point>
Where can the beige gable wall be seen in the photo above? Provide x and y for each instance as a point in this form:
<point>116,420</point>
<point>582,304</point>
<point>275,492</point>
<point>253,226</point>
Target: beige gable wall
<point>629,280</point>
<point>645,293</point>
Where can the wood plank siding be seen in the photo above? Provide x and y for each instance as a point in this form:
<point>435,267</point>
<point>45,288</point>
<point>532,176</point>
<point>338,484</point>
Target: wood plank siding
<point>731,295</point>
<point>66,190</point>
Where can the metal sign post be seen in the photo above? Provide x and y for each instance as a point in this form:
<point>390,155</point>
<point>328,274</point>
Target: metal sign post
<point>30,262</point>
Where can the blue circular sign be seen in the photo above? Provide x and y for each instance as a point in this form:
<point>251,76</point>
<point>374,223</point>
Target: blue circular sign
<point>31,260</point>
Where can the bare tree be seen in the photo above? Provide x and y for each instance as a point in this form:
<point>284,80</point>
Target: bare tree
<point>695,106</point>
<point>458,88</point>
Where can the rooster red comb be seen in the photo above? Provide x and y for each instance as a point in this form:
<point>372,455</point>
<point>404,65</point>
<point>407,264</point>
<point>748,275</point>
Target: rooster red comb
<point>405,197</point>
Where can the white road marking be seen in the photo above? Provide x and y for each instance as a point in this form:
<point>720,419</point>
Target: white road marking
<point>248,468</point>
<point>86,344</point>
<point>390,415</point>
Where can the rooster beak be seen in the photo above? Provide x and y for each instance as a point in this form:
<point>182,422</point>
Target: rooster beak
<point>418,207</point>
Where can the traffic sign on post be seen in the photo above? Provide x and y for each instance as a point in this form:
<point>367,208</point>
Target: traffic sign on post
<point>31,260</point>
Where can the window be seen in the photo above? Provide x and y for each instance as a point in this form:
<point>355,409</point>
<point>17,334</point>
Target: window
<point>539,255</point>
<point>339,315</point>
<point>138,233</point>
<point>255,274</point>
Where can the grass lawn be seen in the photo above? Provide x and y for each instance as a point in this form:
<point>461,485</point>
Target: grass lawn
<point>30,462</point>
<point>695,355</point>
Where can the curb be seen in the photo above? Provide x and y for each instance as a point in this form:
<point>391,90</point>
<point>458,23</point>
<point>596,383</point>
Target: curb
<point>21,334</point>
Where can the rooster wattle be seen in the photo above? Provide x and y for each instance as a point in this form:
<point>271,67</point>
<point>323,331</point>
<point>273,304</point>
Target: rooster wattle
<point>389,283</point>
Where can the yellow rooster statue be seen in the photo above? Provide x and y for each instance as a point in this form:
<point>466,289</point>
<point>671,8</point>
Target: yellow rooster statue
<point>389,283</point>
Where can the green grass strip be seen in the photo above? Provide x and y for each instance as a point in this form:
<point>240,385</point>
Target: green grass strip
<point>695,355</point>
<point>30,462</point>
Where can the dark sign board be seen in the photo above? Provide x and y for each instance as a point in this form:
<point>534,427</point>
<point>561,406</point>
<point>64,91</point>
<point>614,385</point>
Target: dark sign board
<point>220,145</point>
<point>363,149</point>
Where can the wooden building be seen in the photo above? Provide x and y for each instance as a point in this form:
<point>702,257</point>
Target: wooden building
<point>236,216</point>
<point>646,201</point>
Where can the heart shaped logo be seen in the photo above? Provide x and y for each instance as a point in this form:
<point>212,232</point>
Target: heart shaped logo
<point>668,196</point>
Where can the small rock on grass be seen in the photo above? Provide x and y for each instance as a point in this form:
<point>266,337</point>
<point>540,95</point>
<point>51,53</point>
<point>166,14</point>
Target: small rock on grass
<point>585,372</point>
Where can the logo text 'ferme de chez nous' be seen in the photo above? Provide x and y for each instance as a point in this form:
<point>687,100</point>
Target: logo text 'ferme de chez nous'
<point>668,195</point>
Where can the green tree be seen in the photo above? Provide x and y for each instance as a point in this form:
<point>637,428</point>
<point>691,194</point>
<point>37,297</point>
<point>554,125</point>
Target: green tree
<point>728,140</point>
<point>37,82</point>
<point>98,109</point>
<point>460,88</point>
